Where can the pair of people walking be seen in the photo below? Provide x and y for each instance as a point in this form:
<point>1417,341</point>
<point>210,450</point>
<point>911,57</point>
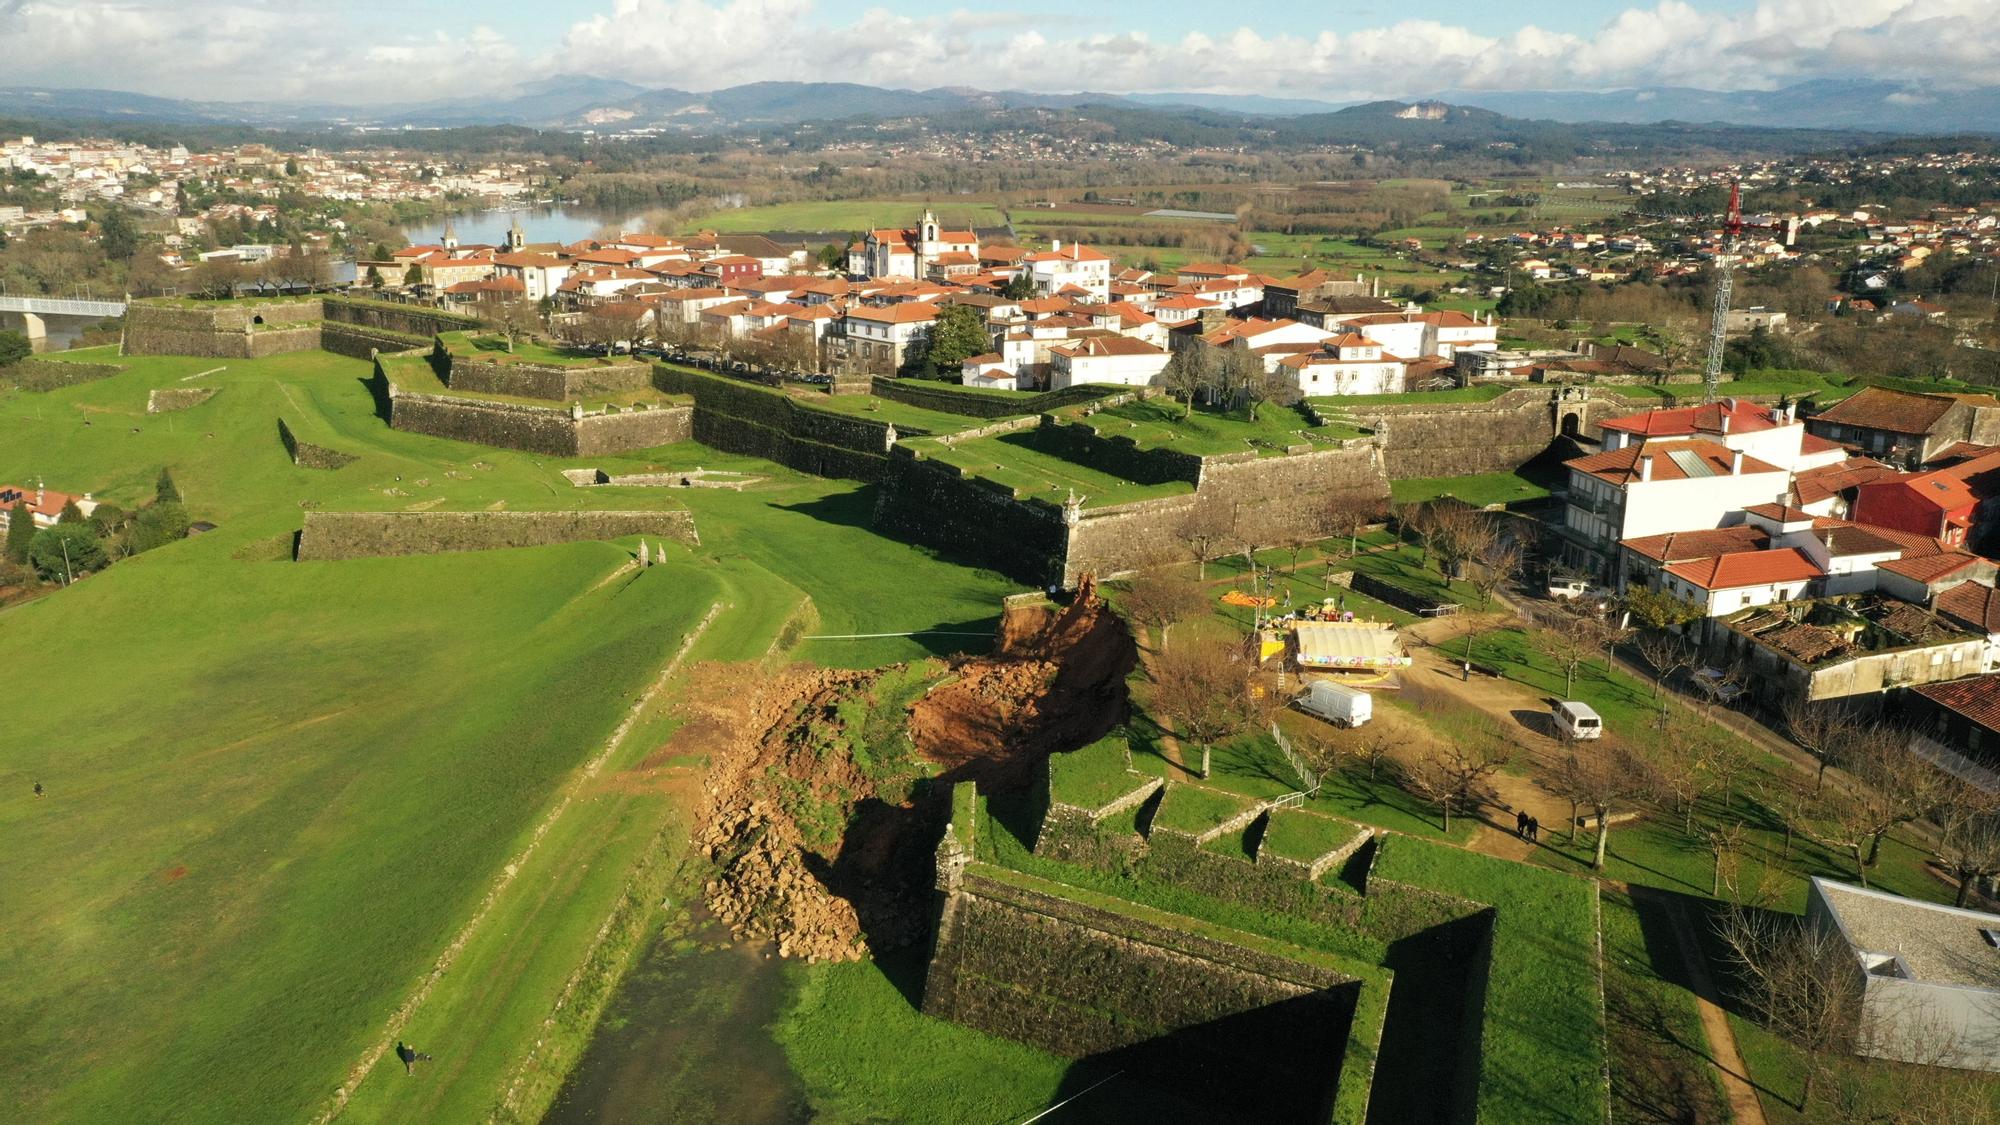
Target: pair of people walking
<point>1527,827</point>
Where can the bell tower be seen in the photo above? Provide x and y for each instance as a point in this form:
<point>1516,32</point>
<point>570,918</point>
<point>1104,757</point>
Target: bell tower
<point>450,236</point>
<point>516,237</point>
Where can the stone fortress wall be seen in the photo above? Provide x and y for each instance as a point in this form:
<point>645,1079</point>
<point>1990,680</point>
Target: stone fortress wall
<point>330,536</point>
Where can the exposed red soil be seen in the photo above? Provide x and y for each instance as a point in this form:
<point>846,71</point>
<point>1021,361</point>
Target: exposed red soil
<point>173,874</point>
<point>857,877</point>
<point>1056,683</point>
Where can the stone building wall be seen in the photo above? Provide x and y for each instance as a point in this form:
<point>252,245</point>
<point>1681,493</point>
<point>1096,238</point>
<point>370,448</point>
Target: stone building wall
<point>933,396</point>
<point>740,418</point>
<point>633,429</point>
<point>329,536</point>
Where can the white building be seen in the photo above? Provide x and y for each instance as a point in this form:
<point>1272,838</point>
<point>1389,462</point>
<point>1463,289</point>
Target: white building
<point>1105,359</point>
<point>906,252</point>
<point>1764,432</point>
<point>1640,490</point>
<point>1348,364</point>
<point>1074,266</point>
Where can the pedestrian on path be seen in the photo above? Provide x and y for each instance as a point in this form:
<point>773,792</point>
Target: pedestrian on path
<point>1521,823</point>
<point>1534,830</point>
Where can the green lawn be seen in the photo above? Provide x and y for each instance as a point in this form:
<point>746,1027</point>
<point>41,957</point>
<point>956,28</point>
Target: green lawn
<point>1161,423</point>
<point>284,786</point>
<point>1478,489</point>
<point>1094,775</point>
<point>1012,460</point>
<point>906,418</point>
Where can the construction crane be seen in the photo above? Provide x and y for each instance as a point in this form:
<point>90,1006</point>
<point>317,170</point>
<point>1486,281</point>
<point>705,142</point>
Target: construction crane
<point>1725,262</point>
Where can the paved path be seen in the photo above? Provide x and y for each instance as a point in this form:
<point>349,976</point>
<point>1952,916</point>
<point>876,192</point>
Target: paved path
<point>1744,1106</point>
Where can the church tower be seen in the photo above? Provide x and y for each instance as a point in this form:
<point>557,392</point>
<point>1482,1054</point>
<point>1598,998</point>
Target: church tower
<point>927,236</point>
<point>450,236</point>
<point>516,237</point>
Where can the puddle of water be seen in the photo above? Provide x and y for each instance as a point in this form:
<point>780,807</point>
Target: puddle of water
<point>687,1038</point>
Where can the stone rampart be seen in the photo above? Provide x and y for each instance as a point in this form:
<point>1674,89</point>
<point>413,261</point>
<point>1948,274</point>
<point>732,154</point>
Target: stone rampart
<point>1096,443</point>
<point>38,374</point>
<point>1265,1031</point>
<point>935,396</point>
<point>550,430</point>
<point>223,329</point>
<point>480,374</point>
<point>410,320</point>
<point>934,503</point>
<point>178,398</point>
<point>1269,500</point>
<point>358,342</point>
<point>1501,434</point>
<point>309,456</point>
<point>740,418</point>
<point>329,536</point>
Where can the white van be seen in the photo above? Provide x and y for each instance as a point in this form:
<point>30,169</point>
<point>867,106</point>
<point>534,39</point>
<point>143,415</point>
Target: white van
<point>1337,703</point>
<point>1577,721</point>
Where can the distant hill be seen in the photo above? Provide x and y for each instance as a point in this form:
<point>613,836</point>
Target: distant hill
<point>1877,106</point>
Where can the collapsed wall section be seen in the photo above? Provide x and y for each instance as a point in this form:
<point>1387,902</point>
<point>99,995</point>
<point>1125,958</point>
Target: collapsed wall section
<point>329,536</point>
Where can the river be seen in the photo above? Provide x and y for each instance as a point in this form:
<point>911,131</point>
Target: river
<point>541,224</point>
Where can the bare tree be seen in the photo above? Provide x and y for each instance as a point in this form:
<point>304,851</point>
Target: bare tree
<point>1203,689</point>
<point>1968,819</point>
<point>1377,749</point>
<point>1725,845</point>
<point>1665,653</point>
<point>1895,786</point>
<point>1684,768</point>
<point>516,318</point>
<point>1799,981</point>
<point>1819,729</point>
<point>1346,512</point>
<point>1606,778</point>
<point>1492,565</point>
<point>1185,375</point>
<point>1160,599</point>
<point>1568,639</point>
<point>1201,529</point>
<point>1453,775</point>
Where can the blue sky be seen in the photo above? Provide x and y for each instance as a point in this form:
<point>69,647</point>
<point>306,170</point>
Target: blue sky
<point>378,50</point>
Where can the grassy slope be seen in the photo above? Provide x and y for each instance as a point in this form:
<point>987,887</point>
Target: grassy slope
<point>447,631</point>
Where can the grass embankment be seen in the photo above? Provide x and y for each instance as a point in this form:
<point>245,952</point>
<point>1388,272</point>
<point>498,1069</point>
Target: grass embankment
<point>1013,461</point>
<point>289,785</point>
<point>1095,775</point>
<point>1538,1060</point>
<point>913,420</point>
<point>1478,489</point>
<point>1161,423</point>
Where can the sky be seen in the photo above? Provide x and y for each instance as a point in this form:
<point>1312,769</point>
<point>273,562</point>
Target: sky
<point>373,51</point>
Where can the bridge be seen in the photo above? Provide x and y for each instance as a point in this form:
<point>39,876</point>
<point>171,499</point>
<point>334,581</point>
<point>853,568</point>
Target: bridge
<point>25,314</point>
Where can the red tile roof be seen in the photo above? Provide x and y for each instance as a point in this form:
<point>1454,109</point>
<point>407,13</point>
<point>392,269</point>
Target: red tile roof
<point>1929,568</point>
<point>1811,486</point>
<point>1780,513</point>
<point>1680,546</point>
<point>1621,466</point>
<point>1707,418</point>
<point>1747,568</point>
<point>1973,604</point>
<point>1897,412</point>
<point>1975,697</point>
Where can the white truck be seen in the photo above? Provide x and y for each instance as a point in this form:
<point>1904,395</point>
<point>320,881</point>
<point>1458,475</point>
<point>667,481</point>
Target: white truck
<point>1337,703</point>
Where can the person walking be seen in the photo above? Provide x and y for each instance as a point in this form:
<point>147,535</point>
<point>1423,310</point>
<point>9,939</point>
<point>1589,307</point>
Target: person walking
<point>1534,830</point>
<point>1521,823</point>
<point>38,790</point>
<point>410,1056</point>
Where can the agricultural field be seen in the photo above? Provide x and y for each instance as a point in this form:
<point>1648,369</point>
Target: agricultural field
<point>284,788</point>
<point>847,217</point>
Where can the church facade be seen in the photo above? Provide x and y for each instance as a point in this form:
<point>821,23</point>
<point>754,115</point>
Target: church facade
<point>912,253</point>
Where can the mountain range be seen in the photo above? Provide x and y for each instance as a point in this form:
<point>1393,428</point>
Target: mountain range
<point>580,102</point>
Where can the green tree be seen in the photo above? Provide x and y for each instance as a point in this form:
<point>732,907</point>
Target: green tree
<point>20,531</point>
<point>832,255</point>
<point>1658,609</point>
<point>118,235</point>
<point>958,334</point>
<point>157,525</point>
<point>291,165</point>
<point>414,275</point>
<point>374,278</point>
<point>70,513</point>
<point>164,489</point>
<point>14,347</point>
<point>66,551</point>
<point>1019,288</point>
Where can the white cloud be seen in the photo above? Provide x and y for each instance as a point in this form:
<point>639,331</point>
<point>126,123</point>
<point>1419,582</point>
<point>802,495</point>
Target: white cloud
<point>270,49</point>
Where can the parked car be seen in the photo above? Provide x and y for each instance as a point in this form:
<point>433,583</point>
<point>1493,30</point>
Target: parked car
<point>1571,589</point>
<point>1576,721</point>
<point>1337,703</point>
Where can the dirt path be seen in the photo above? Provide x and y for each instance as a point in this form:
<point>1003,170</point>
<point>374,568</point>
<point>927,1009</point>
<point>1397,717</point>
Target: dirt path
<point>1744,1106</point>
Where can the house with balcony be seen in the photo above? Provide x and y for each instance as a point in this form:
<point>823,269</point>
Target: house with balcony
<point>1637,491</point>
